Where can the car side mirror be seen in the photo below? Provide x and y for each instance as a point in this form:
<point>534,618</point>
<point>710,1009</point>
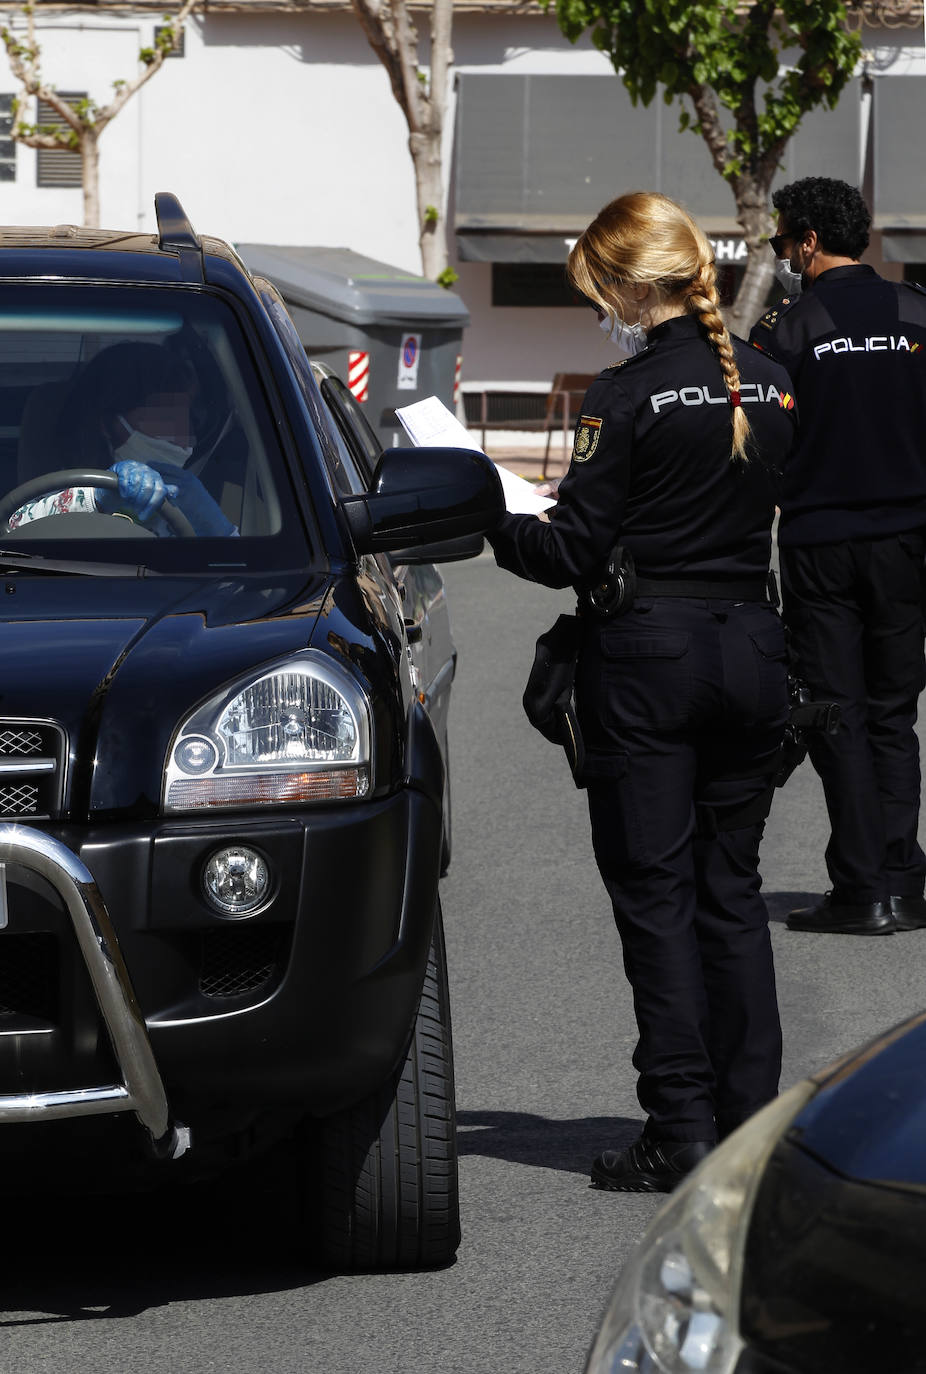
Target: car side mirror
<point>447,551</point>
<point>425,496</point>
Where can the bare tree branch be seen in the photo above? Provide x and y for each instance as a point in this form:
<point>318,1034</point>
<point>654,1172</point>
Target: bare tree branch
<point>83,122</point>
<point>422,97</point>
<point>154,64</point>
<point>441,59</point>
<point>376,20</point>
<point>24,64</point>
<point>712,131</point>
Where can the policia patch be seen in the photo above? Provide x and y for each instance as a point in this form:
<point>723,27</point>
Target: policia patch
<point>588,432</point>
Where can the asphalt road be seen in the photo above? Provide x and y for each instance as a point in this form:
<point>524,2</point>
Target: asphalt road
<point>543,1029</point>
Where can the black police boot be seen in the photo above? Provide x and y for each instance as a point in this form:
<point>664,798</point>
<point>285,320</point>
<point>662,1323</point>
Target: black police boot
<point>648,1166</point>
<point>831,917</point>
<point>909,913</point>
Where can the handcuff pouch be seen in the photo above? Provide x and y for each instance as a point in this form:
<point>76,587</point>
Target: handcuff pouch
<point>549,697</point>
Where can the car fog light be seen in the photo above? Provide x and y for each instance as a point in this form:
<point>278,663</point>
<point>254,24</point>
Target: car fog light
<point>236,880</point>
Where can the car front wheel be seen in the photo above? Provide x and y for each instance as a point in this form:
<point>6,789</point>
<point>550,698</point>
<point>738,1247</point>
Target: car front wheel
<point>387,1168</point>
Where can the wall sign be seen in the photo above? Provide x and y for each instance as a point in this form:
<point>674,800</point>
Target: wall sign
<point>729,250</point>
<point>409,353</point>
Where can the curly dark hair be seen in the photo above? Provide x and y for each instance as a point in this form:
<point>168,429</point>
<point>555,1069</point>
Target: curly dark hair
<point>833,208</point>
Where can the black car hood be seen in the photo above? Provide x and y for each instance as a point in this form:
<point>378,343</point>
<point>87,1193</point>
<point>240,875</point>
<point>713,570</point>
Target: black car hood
<point>832,1276</point>
<point>868,1121</point>
<point>120,681</point>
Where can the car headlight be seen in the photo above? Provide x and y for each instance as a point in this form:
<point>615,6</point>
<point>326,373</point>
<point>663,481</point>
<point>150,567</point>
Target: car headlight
<point>297,731</point>
<point>676,1305</point>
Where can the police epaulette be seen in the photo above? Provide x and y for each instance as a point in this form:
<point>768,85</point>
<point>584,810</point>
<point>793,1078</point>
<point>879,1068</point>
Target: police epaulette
<point>772,317</point>
<point>622,362</point>
<point>917,286</point>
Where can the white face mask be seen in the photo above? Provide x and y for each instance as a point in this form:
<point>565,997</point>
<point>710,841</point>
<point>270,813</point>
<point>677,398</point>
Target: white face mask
<point>791,281</point>
<point>630,338</point>
<point>145,448</point>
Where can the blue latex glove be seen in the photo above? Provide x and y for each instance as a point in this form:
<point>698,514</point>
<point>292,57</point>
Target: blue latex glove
<point>191,497</point>
<point>142,491</point>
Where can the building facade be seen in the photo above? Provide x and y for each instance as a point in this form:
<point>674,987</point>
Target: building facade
<point>277,126</point>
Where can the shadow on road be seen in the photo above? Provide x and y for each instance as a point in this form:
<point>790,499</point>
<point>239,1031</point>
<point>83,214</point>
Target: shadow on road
<point>521,1138</point>
<point>781,903</point>
<point>104,1257</point>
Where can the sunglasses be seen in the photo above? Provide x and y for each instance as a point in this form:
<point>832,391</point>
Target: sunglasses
<point>777,242</point>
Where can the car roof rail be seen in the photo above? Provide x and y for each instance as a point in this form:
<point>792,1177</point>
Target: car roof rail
<point>175,232</point>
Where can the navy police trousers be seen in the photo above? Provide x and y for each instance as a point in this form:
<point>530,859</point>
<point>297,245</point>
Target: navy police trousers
<point>682,705</point>
<point>855,617</point>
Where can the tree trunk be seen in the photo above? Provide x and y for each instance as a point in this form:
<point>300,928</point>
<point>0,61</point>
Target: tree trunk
<point>90,159</point>
<point>751,191</point>
<point>432,239</point>
<point>750,187</point>
<point>750,298</point>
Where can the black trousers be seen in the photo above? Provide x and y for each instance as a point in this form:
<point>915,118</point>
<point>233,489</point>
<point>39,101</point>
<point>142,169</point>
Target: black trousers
<point>682,705</point>
<point>854,613</point>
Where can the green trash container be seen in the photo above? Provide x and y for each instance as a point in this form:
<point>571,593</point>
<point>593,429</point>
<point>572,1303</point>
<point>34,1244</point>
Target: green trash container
<point>394,338</point>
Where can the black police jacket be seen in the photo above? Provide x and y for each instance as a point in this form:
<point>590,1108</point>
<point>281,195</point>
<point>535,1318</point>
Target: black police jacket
<point>855,348</point>
<point>651,467</point>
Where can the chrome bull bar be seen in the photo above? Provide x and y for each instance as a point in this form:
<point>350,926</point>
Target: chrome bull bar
<point>142,1089</point>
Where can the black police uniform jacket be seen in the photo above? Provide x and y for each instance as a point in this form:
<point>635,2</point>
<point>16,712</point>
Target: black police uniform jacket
<point>651,468</point>
<point>854,346</point>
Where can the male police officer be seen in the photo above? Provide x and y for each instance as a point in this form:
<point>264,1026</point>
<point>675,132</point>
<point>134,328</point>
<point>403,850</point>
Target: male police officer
<point>852,538</point>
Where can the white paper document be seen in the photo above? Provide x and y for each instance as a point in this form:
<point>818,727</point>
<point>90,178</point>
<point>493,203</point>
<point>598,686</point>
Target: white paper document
<point>521,497</point>
<point>429,424</point>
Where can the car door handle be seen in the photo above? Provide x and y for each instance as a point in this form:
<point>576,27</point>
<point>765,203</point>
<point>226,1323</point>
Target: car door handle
<point>414,630</point>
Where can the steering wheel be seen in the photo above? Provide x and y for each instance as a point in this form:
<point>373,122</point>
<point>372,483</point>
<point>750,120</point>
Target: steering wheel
<point>81,477</point>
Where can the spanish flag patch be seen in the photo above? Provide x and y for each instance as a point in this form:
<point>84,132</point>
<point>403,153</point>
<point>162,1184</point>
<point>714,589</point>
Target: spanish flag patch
<point>588,432</point>
<point>786,401</point>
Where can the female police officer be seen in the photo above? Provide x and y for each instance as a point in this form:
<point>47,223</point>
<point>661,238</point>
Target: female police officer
<point>681,694</point>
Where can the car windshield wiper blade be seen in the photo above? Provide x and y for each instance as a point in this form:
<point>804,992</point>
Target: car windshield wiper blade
<point>13,561</point>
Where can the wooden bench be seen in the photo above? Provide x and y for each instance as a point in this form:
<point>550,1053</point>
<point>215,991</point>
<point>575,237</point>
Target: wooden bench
<point>532,411</point>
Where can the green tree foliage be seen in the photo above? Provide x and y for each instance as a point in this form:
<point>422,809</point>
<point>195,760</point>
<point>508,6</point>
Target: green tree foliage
<point>750,71</point>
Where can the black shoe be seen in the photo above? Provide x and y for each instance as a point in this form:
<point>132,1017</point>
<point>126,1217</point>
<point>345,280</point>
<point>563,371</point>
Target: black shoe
<point>909,913</point>
<point>648,1166</point>
<point>844,918</point>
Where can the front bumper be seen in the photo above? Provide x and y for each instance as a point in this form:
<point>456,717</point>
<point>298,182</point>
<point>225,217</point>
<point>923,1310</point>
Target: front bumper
<point>139,1087</point>
<point>122,989</point>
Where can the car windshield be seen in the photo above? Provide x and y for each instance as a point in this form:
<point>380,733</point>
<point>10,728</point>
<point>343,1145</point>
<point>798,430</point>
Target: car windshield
<point>157,391</point>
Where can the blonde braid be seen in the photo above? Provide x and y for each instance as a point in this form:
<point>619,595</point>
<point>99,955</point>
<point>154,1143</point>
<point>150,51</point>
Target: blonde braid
<point>704,301</point>
<point>645,239</point>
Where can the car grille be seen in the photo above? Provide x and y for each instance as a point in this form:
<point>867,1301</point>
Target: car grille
<point>32,754</point>
<point>237,962</point>
<point>28,977</point>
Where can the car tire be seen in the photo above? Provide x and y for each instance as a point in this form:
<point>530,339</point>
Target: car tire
<point>387,1172</point>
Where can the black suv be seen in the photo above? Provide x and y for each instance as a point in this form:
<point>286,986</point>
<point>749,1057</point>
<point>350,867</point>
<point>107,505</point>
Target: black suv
<point>223,710</point>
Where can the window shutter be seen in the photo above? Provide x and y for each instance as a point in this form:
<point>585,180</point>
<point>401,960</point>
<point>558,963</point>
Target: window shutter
<point>7,143</point>
<point>58,166</point>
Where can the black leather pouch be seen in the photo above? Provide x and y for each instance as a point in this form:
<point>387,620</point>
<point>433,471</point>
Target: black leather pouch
<point>549,697</point>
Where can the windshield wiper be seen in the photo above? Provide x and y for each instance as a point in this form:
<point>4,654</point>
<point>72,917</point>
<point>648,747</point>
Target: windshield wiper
<point>13,561</point>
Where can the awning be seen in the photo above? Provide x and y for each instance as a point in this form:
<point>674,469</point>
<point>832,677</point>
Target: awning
<point>477,245</point>
<point>903,245</point>
<point>898,110</point>
<point>536,157</point>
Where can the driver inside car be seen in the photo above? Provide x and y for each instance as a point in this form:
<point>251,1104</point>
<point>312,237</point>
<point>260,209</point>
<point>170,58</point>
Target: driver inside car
<point>131,412</point>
